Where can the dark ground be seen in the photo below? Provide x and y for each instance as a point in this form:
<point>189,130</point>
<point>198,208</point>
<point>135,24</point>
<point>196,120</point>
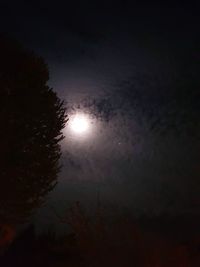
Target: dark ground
<point>124,242</point>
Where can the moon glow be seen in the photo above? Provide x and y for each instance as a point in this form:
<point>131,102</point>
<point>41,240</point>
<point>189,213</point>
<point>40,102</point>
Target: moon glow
<point>79,124</point>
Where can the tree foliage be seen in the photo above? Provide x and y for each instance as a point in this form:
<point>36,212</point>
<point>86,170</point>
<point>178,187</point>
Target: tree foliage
<point>32,118</point>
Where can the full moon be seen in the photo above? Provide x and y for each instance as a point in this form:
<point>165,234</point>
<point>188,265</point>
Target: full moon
<point>79,124</point>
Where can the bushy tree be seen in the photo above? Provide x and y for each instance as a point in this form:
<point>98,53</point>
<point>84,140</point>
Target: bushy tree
<point>32,118</point>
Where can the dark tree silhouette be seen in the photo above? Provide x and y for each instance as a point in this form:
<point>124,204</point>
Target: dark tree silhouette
<point>32,118</point>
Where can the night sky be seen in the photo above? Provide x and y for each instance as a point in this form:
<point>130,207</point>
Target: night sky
<point>97,50</point>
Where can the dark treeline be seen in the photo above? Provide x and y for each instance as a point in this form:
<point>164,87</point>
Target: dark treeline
<point>96,241</point>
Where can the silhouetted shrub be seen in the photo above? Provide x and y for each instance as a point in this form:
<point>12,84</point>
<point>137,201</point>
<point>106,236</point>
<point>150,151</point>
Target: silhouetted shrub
<point>32,118</point>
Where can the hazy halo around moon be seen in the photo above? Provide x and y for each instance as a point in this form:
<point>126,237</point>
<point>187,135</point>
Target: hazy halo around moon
<point>80,129</point>
<point>79,124</point>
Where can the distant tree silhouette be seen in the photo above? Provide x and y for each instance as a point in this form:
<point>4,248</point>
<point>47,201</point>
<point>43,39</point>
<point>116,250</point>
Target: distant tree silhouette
<point>32,118</point>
